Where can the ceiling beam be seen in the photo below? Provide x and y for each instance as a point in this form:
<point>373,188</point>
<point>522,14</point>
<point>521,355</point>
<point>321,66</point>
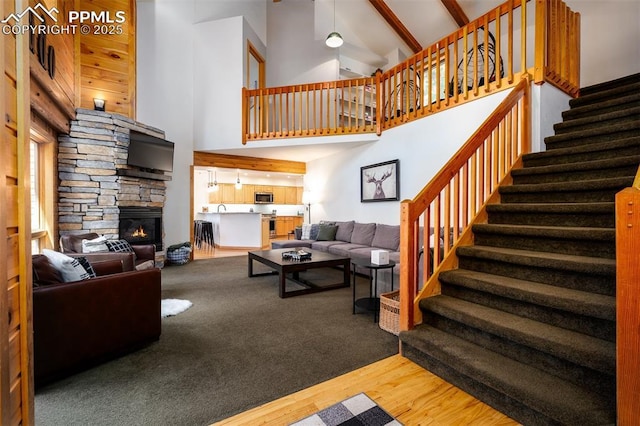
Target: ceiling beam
<point>456,12</point>
<point>396,24</point>
<point>225,161</point>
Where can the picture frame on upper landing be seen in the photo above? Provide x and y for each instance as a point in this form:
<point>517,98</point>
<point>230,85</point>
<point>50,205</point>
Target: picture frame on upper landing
<point>380,182</point>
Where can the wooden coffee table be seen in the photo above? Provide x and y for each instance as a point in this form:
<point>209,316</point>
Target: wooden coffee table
<point>290,269</point>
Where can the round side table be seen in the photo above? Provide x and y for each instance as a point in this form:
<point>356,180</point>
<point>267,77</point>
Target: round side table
<point>371,303</point>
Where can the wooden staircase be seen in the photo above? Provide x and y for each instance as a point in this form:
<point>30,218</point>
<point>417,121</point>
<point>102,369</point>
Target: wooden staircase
<point>527,321</point>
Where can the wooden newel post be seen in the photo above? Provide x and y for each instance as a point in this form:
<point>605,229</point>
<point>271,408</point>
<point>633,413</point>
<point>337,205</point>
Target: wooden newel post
<point>628,305</point>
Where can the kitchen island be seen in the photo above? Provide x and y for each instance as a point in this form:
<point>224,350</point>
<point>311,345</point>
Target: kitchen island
<point>235,229</point>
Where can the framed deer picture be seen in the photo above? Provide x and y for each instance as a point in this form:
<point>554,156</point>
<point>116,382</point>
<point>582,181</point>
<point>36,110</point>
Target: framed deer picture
<point>380,182</point>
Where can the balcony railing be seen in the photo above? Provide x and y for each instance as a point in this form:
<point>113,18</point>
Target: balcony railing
<point>488,55</point>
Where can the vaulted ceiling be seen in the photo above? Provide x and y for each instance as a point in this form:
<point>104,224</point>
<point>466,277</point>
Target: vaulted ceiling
<point>381,26</point>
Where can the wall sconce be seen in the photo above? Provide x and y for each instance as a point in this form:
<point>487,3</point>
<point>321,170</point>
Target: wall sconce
<point>213,186</point>
<point>98,104</point>
<point>238,183</point>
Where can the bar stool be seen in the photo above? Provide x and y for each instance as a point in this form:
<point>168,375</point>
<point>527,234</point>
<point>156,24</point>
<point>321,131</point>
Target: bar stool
<point>207,233</point>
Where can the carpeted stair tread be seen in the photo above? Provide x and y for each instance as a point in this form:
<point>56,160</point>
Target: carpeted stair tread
<point>599,134</point>
<point>566,232</point>
<point>580,166</point>
<point>572,346</point>
<point>555,398</point>
<point>597,108</point>
<point>578,302</point>
<point>566,208</point>
<point>594,95</point>
<point>592,151</point>
<point>540,259</point>
<point>581,185</point>
<point>630,113</point>
<point>606,85</point>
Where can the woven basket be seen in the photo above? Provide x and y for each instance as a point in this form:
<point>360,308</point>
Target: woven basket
<point>390,312</point>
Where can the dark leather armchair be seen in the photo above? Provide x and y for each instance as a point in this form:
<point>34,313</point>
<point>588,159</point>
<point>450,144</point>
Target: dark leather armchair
<point>79,324</point>
<point>73,244</point>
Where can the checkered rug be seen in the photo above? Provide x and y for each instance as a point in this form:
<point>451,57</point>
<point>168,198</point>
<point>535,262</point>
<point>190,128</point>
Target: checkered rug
<point>357,410</point>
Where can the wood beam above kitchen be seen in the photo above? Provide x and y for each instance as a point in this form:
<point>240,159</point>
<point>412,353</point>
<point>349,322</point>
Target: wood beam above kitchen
<point>207,159</point>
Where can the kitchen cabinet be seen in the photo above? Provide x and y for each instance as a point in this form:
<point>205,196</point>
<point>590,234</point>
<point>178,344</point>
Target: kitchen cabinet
<point>279,195</point>
<point>263,188</point>
<point>299,191</point>
<point>216,196</point>
<point>247,194</point>
<point>290,194</point>
<point>265,232</point>
<point>286,224</point>
<point>228,193</point>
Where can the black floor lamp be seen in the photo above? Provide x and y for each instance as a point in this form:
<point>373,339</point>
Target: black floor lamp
<point>306,200</point>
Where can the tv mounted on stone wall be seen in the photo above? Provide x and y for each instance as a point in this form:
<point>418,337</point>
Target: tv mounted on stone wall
<point>150,153</point>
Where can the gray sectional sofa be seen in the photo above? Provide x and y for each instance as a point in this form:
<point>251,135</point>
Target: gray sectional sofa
<point>352,239</point>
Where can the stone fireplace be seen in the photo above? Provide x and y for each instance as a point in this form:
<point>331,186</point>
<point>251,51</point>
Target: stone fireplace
<point>98,192</point>
<point>140,225</point>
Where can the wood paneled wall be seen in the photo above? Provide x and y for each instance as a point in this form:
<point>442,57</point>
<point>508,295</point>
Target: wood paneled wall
<point>16,382</point>
<point>107,65</point>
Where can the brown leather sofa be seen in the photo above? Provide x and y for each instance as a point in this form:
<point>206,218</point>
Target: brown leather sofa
<point>79,324</point>
<point>73,244</point>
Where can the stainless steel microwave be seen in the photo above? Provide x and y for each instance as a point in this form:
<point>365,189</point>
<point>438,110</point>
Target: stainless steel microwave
<point>263,197</point>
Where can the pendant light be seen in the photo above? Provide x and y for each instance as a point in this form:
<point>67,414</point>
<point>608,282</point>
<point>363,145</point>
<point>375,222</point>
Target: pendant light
<point>213,186</point>
<point>238,183</point>
<point>334,39</point>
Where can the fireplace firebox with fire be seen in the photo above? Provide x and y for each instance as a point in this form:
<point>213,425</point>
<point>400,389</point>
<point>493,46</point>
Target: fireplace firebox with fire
<point>141,225</point>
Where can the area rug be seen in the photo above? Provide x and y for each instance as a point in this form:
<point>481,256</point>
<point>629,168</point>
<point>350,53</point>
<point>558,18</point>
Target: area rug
<point>171,307</point>
<point>357,410</point>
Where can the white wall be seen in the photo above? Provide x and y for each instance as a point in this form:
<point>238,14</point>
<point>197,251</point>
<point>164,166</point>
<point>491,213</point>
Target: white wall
<point>422,146</point>
<point>609,39</point>
<point>218,79</point>
<point>165,97</point>
<point>293,54</point>
<point>543,118</point>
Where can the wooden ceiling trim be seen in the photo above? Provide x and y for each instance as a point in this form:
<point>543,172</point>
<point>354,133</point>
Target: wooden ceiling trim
<point>397,25</point>
<point>207,159</point>
<point>456,12</point>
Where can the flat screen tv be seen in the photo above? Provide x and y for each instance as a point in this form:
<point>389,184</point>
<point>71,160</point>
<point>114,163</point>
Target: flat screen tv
<point>149,152</point>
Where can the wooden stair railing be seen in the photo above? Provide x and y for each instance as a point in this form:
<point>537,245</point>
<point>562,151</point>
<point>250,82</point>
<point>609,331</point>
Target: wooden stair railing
<point>628,302</point>
<point>457,69</point>
<point>456,197</point>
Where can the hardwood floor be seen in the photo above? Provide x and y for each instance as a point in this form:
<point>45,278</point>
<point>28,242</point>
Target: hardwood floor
<point>405,390</point>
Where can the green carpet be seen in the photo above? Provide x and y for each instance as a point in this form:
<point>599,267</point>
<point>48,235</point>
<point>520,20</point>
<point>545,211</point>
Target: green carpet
<point>237,347</point>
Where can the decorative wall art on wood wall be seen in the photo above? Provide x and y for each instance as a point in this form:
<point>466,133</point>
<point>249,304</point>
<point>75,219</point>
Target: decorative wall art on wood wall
<point>380,182</point>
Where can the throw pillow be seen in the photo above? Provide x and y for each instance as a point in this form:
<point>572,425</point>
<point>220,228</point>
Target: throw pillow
<point>306,232</point>
<point>69,268</point>
<point>327,232</point>
<point>314,231</point>
<point>96,245</point>
<point>87,266</point>
<point>119,246</point>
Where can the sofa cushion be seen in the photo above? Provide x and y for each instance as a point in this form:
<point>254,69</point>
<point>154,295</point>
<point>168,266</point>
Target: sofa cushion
<point>363,233</point>
<point>327,232</point>
<point>291,243</point>
<point>387,237</point>
<point>324,245</point>
<point>44,273</point>
<point>344,249</point>
<point>345,229</point>
<point>70,269</point>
